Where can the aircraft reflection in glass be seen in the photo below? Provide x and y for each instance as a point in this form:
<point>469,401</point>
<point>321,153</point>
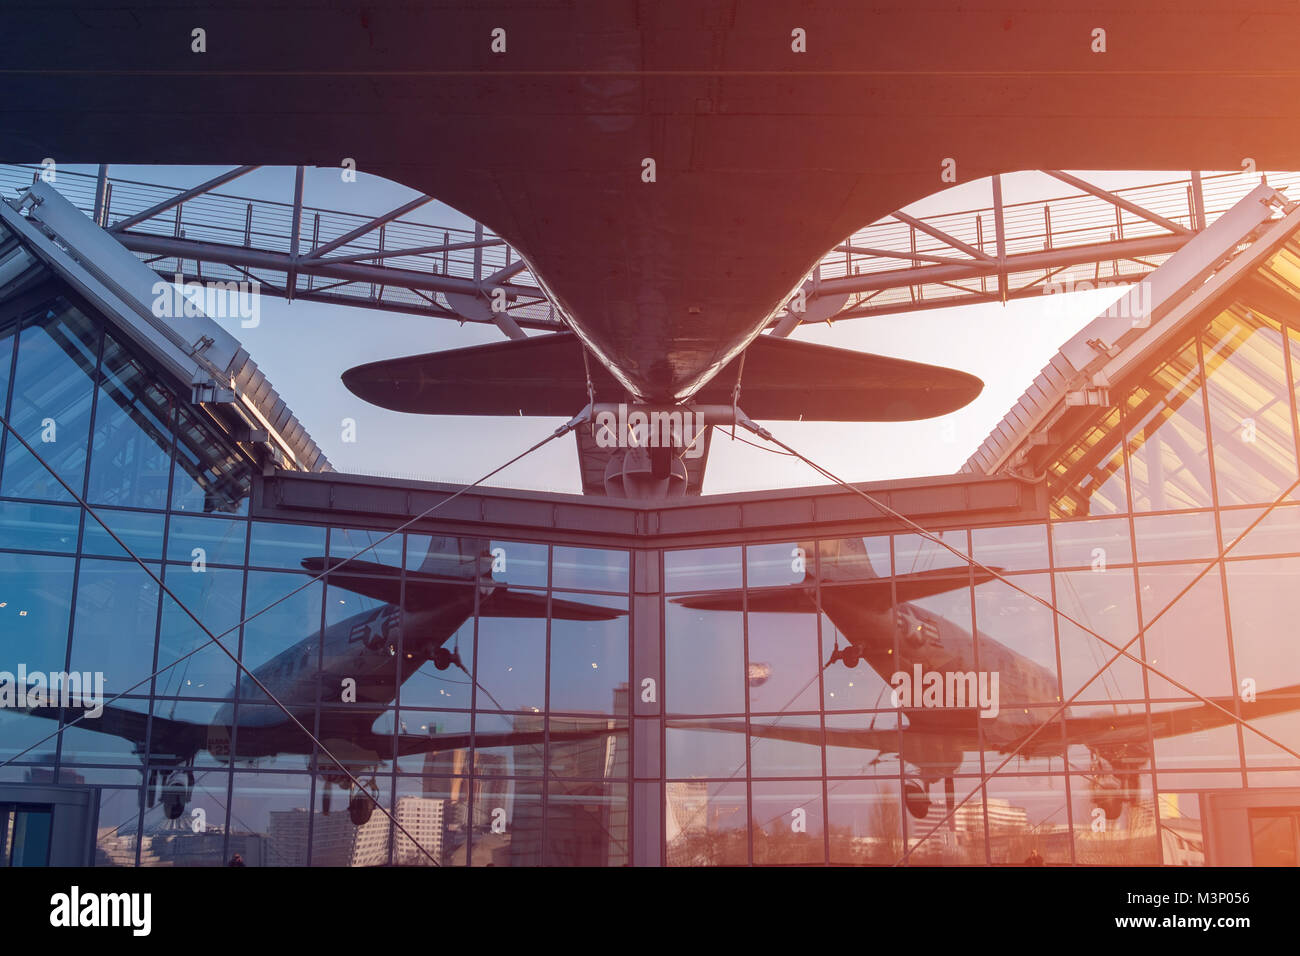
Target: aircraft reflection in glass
<point>361,648</point>
<point>934,739</point>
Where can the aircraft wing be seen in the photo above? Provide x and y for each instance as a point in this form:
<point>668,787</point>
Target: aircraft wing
<point>871,594</point>
<point>884,739</point>
<point>384,583</point>
<point>408,744</point>
<point>1116,729</point>
<point>785,380</point>
<point>378,581</point>
<point>173,737</point>
<point>506,603</point>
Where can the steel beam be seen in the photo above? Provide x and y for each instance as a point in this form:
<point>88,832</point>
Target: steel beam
<point>368,226</point>
<point>181,197</point>
<point>1016,262</point>
<point>1119,201</point>
<point>942,236</point>
<point>416,251</point>
<point>280,262</point>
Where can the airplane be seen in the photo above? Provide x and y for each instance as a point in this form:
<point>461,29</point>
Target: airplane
<point>892,633</point>
<point>362,647</point>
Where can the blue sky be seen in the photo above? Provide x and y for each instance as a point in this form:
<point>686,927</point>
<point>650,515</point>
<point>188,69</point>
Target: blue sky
<point>304,347</point>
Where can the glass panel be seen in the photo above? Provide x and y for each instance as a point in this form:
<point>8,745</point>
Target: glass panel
<point>441,759</point>
<point>508,745</point>
<point>957,840</point>
<point>1018,548</point>
<point>865,822</point>
<point>359,647</point>
<point>853,559</point>
<point>706,824</point>
<point>34,527</point>
<point>35,602</point>
<point>52,397</point>
<point>784,665</point>
<point>705,661</point>
<point>384,549</point>
<point>1009,736</point>
<point>1182,840</point>
<point>196,540</point>
<point>914,552</point>
<point>1088,478</point>
<point>591,569</point>
<point>214,596</point>
<point>860,687</point>
<point>507,823</point>
<point>585,747</point>
<point>702,569</point>
<point>1017,640</point>
<point>787,746</point>
<point>511,670</point>
<point>1114,820</point>
<point>1250,416</point>
<point>141,531</point>
<point>130,456</point>
<point>586,824</point>
<point>1189,641</point>
<point>1091,544</point>
<point>788,822</point>
<point>282,644</point>
<point>1028,820</point>
<point>1275,837</point>
<point>7,335</point>
<point>706,748</point>
<point>589,658</point>
<point>337,838</point>
<point>1175,537</point>
<point>1278,719</point>
<point>1167,450</point>
<point>1277,533</point>
<point>438,619</point>
<point>269,818</point>
<point>513,563</point>
<point>113,630</point>
<point>1265,600</point>
<point>863,745</point>
<point>208,476</point>
<point>434,811</point>
<point>1103,602</point>
<point>276,545</point>
<point>193,839</point>
<point>31,831</point>
<point>772,565</point>
<point>118,835</point>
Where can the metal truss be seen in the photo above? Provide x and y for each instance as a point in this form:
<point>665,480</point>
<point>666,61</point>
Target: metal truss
<point>902,263</point>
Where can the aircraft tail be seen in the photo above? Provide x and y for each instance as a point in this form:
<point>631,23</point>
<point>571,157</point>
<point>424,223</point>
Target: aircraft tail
<point>464,558</point>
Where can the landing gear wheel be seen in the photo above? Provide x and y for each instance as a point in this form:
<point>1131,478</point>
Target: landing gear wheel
<point>442,658</point>
<point>917,800</point>
<point>1113,807</point>
<point>360,807</point>
<point>852,654</point>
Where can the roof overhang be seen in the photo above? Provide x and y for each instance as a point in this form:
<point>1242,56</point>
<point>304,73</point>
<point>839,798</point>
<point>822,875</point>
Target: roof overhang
<point>190,347</point>
<point>1135,330</point>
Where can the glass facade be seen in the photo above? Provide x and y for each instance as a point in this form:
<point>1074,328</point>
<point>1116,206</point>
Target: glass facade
<point>829,697</point>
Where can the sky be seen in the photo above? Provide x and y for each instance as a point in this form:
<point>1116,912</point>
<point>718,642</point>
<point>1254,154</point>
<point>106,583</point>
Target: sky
<point>304,347</point>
